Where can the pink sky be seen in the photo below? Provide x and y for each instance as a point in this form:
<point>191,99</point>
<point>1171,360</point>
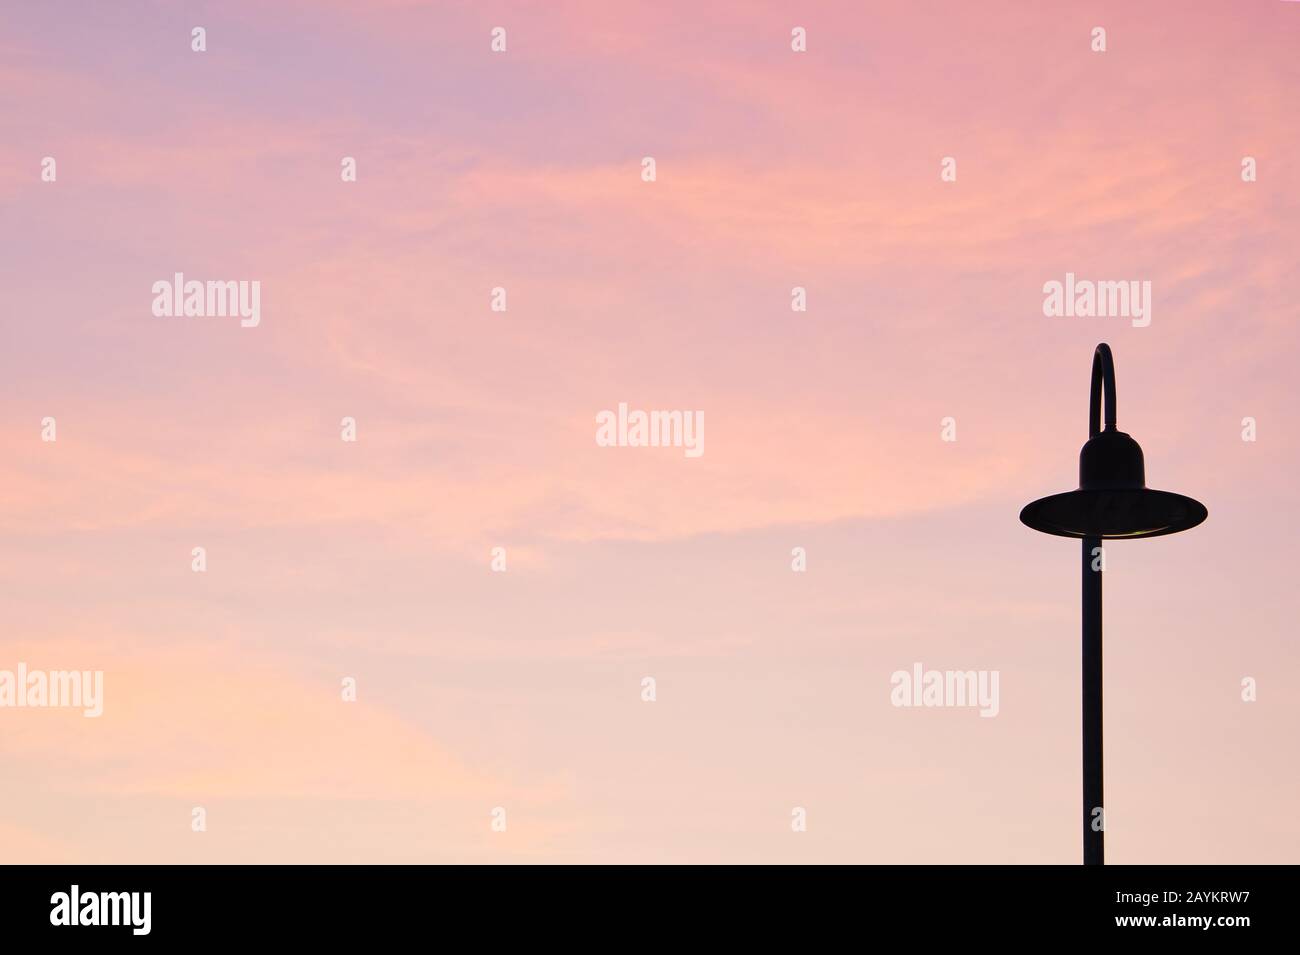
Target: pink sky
<point>476,428</point>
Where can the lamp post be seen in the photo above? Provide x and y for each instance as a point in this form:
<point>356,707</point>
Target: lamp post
<point>1112,502</point>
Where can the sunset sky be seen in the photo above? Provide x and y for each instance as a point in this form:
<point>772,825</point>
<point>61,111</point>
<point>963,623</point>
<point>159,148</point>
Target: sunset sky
<point>371,559</point>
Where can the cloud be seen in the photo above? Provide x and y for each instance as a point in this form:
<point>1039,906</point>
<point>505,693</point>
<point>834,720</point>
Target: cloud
<point>194,724</point>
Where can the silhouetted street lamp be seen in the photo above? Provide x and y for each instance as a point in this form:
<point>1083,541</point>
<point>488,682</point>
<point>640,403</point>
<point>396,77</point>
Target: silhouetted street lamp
<point>1112,502</point>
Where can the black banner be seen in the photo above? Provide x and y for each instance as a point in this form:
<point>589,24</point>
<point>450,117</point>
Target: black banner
<point>1171,904</point>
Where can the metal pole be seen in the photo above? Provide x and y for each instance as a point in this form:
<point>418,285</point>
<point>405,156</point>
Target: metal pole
<point>1094,819</point>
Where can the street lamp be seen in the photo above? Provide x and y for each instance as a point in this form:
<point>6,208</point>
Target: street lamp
<point>1112,502</point>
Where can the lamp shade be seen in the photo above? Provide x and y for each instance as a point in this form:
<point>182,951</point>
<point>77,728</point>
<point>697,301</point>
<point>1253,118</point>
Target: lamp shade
<point>1111,515</point>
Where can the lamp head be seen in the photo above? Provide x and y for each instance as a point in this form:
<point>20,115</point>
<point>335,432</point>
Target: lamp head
<point>1112,500</point>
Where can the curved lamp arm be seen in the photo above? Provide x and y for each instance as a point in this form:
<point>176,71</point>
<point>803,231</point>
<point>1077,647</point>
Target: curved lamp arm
<point>1103,375</point>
